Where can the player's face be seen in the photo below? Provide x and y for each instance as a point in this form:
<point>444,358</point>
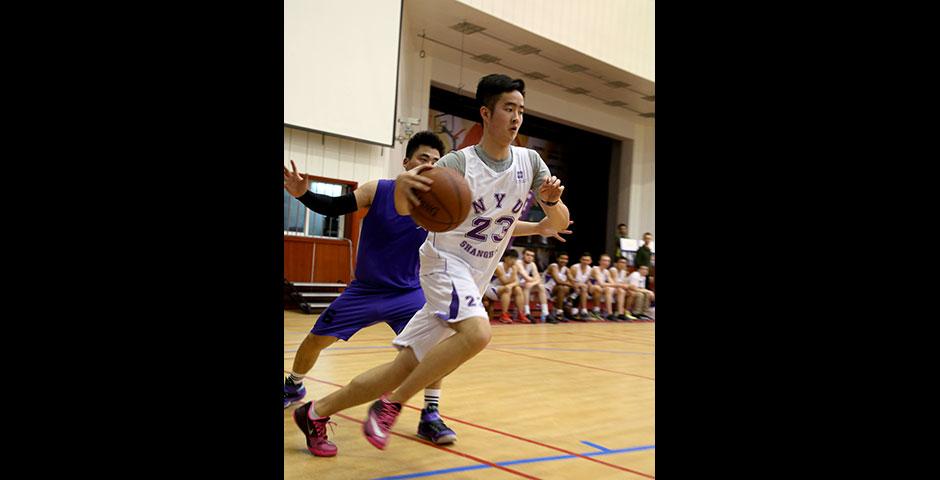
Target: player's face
<point>506,117</point>
<point>644,271</point>
<point>508,261</point>
<point>424,155</point>
<point>623,231</point>
<point>605,262</point>
<point>586,261</point>
<point>527,257</point>
<point>647,239</point>
<point>622,264</point>
<point>563,260</point>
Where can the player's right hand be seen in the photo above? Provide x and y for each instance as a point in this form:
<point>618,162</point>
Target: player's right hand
<point>295,183</point>
<point>411,180</point>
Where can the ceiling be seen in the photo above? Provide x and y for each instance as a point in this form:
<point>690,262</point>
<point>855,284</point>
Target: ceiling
<point>457,33</point>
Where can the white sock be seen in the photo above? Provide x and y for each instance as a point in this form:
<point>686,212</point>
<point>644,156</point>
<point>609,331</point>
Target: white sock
<point>544,309</point>
<point>297,379</point>
<point>597,309</point>
<point>312,412</point>
<point>432,397</point>
<point>527,311</point>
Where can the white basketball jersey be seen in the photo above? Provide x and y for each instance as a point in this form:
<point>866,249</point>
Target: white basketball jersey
<point>621,276</point>
<point>562,273</point>
<point>579,276</point>
<point>604,275</point>
<point>497,199</point>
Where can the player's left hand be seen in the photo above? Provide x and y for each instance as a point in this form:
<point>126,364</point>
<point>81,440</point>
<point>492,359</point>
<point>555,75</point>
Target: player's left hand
<point>551,189</point>
<point>551,232</point>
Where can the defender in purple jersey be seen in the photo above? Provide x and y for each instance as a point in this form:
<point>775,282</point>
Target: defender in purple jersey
<point>386,287</point>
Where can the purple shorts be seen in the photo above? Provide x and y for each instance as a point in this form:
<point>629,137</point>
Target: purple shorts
<point>360,306</point>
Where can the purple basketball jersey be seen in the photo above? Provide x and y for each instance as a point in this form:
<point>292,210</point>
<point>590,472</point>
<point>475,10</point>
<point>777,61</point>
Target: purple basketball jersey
<point>388,246</point>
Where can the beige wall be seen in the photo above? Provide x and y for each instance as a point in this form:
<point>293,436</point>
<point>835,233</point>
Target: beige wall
<point>618,32</point>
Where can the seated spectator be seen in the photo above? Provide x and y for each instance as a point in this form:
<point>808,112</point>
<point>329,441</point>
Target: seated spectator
<point>643,297</point>
<point>625,292</point>
<point>558,285</point>
<point>604,276</point>
<point>529,280</point>
<point>505,283</point>
<point>583,285</point>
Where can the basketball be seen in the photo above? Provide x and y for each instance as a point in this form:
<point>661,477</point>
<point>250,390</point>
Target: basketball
<point>446,204</point>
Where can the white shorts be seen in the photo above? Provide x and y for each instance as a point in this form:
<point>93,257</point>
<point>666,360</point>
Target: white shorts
<point>490,291</point>
<point>451,296</point>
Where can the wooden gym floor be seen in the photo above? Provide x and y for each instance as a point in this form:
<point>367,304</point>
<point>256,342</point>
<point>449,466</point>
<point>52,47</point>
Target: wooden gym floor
<point>565,401</point>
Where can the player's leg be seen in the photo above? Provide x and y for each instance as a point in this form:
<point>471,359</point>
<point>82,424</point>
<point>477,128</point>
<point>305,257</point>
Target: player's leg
<point>349,313</point>
<point>518,294</point>
<point>400,310</point>
<point>596,296</point>
<point>305,358</point>
<point>609,302</point>
<point>439,347</point>
<point>505,295</point>
<point>543,301</point>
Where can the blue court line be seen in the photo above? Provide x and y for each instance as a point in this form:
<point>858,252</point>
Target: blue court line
<point>514,462</point>
<point>603,449</point>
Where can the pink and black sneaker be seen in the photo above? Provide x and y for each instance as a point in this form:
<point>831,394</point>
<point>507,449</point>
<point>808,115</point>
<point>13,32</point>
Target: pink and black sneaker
<point>315,431</point>
<point>378,424</point>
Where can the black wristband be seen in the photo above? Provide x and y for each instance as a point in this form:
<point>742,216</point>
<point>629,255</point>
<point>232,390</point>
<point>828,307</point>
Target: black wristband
<point>549,204</point>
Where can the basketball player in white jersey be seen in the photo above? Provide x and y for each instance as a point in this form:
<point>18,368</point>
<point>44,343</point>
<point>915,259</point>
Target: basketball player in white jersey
<point>558,284</point>
<point>604,279</point>
<point>582,275</point>
<point>505,283</point>
<point>456,266</point>
<point>529,280</point>
<point>625,291</point>
<point>642,297</point>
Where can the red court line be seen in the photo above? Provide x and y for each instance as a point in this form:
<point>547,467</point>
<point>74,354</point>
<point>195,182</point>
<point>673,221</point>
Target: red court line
<point>571,363</point>
<point>536,442</point>
<point>510,435</point>
<point>465,455</point>
<point>537,343</point>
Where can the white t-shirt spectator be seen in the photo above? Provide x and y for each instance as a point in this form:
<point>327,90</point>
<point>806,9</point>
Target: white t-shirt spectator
<point>636,280</point>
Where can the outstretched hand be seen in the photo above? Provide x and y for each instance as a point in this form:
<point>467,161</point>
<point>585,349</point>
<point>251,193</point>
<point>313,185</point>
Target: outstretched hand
<point>294,182</point>
<point>551,232</point>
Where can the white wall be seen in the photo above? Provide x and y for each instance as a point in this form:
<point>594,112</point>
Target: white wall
<point>333,157</point>
<point>619,32</point>
<point>641,215</point>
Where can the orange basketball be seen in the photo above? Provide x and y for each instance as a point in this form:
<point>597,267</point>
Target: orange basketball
<point>446,204</point>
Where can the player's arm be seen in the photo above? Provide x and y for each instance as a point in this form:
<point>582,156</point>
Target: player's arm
<point>532,228</point>
<point>296,185</point>
<point>549,198</point>
<point>612,277</point>
<point>535,273</point>
<point>520,267</point>
<point>553,271</point>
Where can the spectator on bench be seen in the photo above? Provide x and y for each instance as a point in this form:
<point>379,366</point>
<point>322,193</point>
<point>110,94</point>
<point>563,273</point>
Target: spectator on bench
<point>642,296</point>
<point>625,292</point>
<point>559,285</point>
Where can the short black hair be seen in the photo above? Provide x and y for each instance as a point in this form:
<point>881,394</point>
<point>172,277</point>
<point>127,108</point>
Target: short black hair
<point>562,253</point>
<point>427,138</point>
<point>604,255</point>
<point>587,254</point>
<point>511,253</point>
<point>492,86</point>
<point>621,225</point>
